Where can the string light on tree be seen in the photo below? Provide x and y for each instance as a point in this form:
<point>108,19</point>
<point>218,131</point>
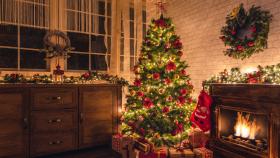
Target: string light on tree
<point>161,94</point>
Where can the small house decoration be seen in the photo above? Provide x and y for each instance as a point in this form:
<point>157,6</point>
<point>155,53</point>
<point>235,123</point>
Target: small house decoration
<point>58,74</point>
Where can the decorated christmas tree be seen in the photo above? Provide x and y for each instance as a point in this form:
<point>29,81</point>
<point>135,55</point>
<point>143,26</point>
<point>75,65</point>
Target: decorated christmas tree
<point>159,104</point>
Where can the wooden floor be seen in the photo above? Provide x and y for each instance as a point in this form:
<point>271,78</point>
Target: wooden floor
<point>88,153</point>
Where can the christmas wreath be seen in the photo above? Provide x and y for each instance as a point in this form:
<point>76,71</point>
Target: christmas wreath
<point>245,32</point>
<point>53,47</point>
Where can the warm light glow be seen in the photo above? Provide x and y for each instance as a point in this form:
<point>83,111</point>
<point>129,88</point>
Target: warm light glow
<point>244,127</point>
<point>249,69</point>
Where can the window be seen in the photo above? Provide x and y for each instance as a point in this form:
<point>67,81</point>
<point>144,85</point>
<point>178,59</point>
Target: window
<point>23,25</point>
<point>89,30</point>
<point>133,40</point>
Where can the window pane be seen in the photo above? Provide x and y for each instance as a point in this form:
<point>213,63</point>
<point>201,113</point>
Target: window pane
<point>32,60</point>
<point>131,47</point>
<point>98,62</point>
<point>109,9</point>
<point>131,13</point>
<point>78,61</point>
<point>122,62</point>
<point>98,44</point>
<point>32,37</point>
<point>109,60</point>
<point>101,8</point>
<point>101,25</point>
<point>79,41</point>
<point>109,26</point>
<point>144,30</point>
<point>8,58</point>
<point>109,44</point>
<point>131,63</point>
<point>144,16</point>
<point>122,46</point>
<point>93,24</point>
<point>8,35</point>
<point>131,29</point>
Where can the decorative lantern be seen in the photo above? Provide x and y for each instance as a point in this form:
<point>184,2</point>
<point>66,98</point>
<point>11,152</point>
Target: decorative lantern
<point>58,74</point>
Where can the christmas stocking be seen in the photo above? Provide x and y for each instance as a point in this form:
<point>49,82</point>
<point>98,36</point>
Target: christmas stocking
<point>201,115</point>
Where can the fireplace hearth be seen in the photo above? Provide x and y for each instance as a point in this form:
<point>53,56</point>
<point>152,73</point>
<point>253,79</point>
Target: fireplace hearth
<point>245,121</point>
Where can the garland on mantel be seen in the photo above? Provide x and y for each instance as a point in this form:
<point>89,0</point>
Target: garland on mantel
<point>86,78</point>
<point>264,75</point>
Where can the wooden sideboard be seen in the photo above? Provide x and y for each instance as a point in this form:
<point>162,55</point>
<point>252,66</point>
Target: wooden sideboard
<point>43,119</point>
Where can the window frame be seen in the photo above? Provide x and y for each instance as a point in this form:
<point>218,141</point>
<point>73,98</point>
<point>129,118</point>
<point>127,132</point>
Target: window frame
<point>17,23</point>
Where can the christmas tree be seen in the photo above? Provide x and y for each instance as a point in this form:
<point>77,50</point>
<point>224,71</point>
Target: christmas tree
<point>159,104</point>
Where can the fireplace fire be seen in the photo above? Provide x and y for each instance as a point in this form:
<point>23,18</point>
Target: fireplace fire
<point>246,121</point>
<point>245,131</point>
<point>244,127</point>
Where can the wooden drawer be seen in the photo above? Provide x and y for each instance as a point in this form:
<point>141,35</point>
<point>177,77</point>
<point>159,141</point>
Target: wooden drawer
<point>53,121</point>
<point>54,98</point>
<point>42,144</point>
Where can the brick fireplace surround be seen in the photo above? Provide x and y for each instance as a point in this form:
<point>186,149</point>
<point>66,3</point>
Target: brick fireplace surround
<point>259,100</point>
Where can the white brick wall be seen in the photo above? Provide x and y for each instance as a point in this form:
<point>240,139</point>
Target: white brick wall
<point>199,22</point>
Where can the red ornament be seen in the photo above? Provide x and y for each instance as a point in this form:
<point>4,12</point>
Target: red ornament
<point>233,32</point>
<point>183,72</point>
<point>160,23</point>
<point>137,83</point>
<point>171,66</point>
<point>170,98</point>
<point>201,115</point>
<point>167,81</point>
<point>180,53</point>
<point>148,103</point>
<point>140,94</point>
<point>181,100</point>
<point>156,76</point>
<point>183,92</point>
<point>250,44</point>
<point>174,133</point>
<point>180,127</point>
<point>142,131</point>
<point>223,38</point>
<point>190,100</point>
<point>177,44</point>
<point>239,48</point>
<point>86,75</point>
<point>253,29</point>
<point>165,109</point>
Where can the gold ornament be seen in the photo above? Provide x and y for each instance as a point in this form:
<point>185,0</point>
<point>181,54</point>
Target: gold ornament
<point>132,92</point>
<point>176,76</point>
<point>149,75</point>
<point>161,91</point>
<point>234,12</point>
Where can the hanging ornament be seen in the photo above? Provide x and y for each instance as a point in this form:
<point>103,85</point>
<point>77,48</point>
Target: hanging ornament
<point>132,92</point>
<point>156,76</point>
<point>161,91</point>
<point>149,76</point>
<point>171,66</point>
<point>176,76</point>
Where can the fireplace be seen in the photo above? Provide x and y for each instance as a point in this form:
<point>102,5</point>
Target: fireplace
<point>245,121</point>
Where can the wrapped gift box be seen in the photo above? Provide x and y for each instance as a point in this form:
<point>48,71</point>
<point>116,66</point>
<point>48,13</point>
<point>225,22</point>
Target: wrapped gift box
<point>185,153</point>
<point>128,147</point>
<point>198,138</point>
<point>157,153</point>
<point>116,143</point>
<point>203,153</point>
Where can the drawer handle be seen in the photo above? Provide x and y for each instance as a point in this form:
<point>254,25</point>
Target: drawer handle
<point>57,142</point>
<point>57,98</point>
<point>55,120</point>
<point>54,98</point>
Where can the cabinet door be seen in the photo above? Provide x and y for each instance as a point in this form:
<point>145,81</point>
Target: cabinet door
<point>98,105</point>
<point>13,123</point>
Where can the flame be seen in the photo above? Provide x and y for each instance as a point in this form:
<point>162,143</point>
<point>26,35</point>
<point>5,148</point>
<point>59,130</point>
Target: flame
<point>244,127</point>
